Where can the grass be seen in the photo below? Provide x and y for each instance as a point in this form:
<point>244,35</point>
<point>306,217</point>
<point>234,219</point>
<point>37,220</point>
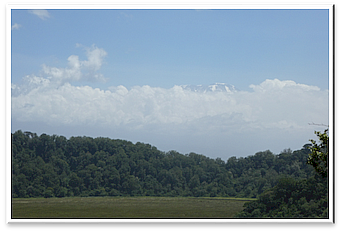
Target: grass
<point>127,207</point>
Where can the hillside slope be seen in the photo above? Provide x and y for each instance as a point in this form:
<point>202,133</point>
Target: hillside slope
<point>82,166</point>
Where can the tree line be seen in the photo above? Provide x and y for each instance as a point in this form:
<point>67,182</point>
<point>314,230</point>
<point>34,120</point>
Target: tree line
<point>291,198</point>
<point>54,166</point>
<point>297,198</point>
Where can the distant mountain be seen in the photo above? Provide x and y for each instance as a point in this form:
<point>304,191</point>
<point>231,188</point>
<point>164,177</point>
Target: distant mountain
<point>217,87</point>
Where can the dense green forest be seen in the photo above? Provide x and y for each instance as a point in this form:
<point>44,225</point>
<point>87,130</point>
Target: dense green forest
<point>297,198</point>
<point>82,166</point>
<point>54,166</point>
<point>291,198</point>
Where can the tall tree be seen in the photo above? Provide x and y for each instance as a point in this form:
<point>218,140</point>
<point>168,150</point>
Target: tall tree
<point>318,157</point>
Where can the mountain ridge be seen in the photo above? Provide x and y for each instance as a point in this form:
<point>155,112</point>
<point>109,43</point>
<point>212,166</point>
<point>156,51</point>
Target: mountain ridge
<point>216,87</point>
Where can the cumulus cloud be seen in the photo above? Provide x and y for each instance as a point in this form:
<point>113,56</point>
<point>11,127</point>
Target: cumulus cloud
<point>277,85</point>
<point>43,14</point>
<point>143,106</point>
<point>274,110</point>
<point>77,70</point>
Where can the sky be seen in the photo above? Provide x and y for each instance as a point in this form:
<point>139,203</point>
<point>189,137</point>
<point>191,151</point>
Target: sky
<point>119,74</point>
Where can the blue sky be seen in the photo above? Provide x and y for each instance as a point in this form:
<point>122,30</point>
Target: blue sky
<point>277,59</point>
<point>171,47</point>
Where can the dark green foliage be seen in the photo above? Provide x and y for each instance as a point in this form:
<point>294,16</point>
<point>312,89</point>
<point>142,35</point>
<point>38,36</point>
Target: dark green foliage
<point>319,153</point>
<point>291,198</point>
<point>53,166</point>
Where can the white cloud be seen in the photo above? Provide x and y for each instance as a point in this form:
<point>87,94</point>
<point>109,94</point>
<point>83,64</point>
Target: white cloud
<point>276,113</point>
<point>77,70</point>
<point>291,108</point>
<point>277,85</point>
<point>95,58</point>
<point>43,14</point>
<point>16,26</point>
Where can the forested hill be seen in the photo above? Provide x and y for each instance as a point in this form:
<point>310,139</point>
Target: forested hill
<point>53,166</point>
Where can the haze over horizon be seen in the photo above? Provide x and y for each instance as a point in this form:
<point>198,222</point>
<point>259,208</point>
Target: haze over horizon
<point>133,75</point>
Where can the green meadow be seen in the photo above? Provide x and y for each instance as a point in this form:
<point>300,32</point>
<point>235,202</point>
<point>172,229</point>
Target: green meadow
<point>127,207</point>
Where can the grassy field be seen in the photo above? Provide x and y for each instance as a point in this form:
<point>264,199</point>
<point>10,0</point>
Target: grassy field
<point>127,207</point>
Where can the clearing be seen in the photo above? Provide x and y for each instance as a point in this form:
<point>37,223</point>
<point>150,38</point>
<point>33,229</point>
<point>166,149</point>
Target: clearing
<point>127,207</point>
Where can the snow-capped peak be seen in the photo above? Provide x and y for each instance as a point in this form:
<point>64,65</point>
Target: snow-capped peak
<point>217,87</point>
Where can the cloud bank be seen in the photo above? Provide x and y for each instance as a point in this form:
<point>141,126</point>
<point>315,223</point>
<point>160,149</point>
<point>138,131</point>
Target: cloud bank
<point>272,110</point>
<point>278,106</point>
